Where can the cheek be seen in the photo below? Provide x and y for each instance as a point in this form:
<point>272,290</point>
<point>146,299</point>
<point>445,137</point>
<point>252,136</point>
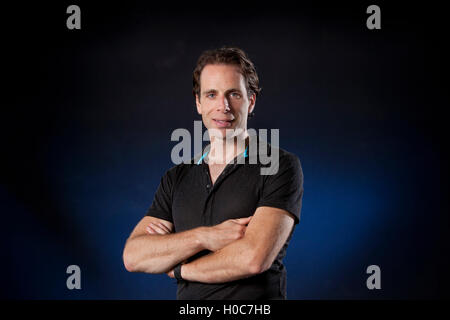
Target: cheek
<point>207,107</point>
<point>242,108</point>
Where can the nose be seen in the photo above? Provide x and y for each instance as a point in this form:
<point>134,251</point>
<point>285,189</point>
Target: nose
<point>223,105</point>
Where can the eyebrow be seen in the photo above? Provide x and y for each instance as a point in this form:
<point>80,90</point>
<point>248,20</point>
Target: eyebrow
<point>209,91</point>
<point>226,92</point>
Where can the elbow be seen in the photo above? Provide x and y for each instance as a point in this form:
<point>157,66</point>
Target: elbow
<point>255,268</point>
<point>257,264</point>
<point>129,266</point>
<point>134,262</point>
<point>128,261</point>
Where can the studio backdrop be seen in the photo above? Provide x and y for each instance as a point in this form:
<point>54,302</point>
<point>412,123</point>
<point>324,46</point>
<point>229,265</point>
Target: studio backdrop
<point>89,113</point>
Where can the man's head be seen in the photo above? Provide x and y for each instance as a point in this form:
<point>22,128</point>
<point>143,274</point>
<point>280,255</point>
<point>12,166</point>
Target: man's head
<point>225,86</point>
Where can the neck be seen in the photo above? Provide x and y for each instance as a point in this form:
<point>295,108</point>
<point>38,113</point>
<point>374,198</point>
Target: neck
<point>225,150</point>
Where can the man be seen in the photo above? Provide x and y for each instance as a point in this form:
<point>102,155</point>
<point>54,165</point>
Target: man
<point>218,225</point>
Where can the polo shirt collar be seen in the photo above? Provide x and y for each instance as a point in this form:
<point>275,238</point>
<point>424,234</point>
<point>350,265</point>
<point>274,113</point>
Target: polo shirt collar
<point>248,151</point>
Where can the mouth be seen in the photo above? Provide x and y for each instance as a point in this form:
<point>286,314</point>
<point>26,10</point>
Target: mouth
<point>223,123</point>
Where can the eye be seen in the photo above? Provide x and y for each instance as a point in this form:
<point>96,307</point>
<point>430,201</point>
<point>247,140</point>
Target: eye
<point>236,95</point>
<point>210,95</point>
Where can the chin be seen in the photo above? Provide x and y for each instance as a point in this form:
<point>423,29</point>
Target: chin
<point>222,133</point>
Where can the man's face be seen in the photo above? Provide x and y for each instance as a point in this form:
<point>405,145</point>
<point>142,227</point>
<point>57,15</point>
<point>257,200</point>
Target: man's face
<point>223,102</point>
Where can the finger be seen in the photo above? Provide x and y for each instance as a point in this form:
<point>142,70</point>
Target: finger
<point>242,229</point>
<point>150,230</point>
<point>168,225</point>
<point>162,226</point>
<point>157,229</point>
<point>243,220</point>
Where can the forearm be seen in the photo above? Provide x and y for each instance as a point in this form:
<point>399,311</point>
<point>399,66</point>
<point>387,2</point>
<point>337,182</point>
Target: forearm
<point>159,253</point>
<point>233,262</point>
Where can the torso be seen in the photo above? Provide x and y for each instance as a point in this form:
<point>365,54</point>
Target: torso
<point>215,170</point>
<point>237,193</point>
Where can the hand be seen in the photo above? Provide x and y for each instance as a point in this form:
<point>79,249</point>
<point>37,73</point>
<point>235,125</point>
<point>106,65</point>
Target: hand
<point>218,236</point>
<point>171,274</point>
<point>157,228</point>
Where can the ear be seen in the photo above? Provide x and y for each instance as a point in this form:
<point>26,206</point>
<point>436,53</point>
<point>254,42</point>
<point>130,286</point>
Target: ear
<point>199,105</point>
<point>252,101</point>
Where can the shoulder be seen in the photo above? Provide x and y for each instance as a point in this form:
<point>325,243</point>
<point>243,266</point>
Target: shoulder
<point>288,158</point>
<point>175,172</point>
<point>282,161</point>
<point>185,170</point>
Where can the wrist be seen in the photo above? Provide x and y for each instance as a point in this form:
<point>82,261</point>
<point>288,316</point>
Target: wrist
<point>183,271</point>
<point>201,237</point>
<point>177,272</point>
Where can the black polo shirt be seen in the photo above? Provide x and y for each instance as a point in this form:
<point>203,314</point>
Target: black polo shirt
<point>187,198</point>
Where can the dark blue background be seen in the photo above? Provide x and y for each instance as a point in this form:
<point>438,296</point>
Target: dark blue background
<point>88,116</point>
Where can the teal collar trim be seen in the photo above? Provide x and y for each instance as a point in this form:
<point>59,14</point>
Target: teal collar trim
<point>204,155</point>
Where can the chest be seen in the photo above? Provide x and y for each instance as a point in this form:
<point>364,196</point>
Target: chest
<point>233,194</point>
<point>215,170</point>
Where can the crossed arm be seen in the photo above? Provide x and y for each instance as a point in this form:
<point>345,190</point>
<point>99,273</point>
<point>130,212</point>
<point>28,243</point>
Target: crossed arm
<point>238,250</point>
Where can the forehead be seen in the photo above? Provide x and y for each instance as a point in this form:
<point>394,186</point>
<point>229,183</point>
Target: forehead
<point>219,75</point>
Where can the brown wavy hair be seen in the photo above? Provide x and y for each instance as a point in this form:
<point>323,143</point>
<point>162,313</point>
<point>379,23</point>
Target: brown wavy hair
<point>227,55</point>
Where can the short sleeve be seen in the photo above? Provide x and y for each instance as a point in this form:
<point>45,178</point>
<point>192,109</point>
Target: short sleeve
<point>284,189</point>
<point>161,206</point>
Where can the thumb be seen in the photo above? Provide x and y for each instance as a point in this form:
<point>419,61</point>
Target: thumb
<point>243,220</point>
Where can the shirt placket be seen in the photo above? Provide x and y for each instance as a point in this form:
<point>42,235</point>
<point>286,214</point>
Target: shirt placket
<point>212,189</point>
